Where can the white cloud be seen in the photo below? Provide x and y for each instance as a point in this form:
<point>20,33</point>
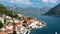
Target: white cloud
<point>53,1</point>
<point>19,1</point>
<point>50,1</point>
<point>45,1</point>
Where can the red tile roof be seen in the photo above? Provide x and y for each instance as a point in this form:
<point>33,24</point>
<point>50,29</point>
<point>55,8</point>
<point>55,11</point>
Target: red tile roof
<point>0,16</point>
<point>8,31</point>
<point>18,23</point>
<point>1,32</point>
<point>20,26</point>
<point>9,24</point>
<point>29,22</point>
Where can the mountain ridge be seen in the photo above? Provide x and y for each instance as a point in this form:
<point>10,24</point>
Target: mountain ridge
<point>55,11</point>
<point>31,11</point>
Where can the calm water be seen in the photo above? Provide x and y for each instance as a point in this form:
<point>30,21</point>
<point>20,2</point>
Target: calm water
<point>53,25</point>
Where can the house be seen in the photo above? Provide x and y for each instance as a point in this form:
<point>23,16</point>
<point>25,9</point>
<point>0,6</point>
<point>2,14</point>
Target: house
<point>8,31</point>
<point>9,19</point>
<point>29,22</point>
<point>9,26</point>
<point>2,19</point>
<point>20,15</point>
<point>34,23</point>
<point>21,26</point>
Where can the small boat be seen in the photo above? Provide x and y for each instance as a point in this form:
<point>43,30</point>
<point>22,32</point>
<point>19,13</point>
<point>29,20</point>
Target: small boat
<point>56,33</point>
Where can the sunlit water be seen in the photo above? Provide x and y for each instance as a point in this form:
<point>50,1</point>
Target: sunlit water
<point>53,25</point>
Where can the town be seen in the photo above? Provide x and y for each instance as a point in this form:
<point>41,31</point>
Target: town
<point>19,26</point>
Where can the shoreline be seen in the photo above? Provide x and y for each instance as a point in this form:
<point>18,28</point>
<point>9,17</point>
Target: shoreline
<point>20,26</point>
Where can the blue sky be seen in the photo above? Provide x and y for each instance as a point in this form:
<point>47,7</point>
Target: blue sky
<point>32,3</point>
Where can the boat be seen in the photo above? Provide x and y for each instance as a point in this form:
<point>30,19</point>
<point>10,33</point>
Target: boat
<point>56,33</point>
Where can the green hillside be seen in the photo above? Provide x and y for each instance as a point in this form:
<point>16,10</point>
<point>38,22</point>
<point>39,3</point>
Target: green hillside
<point>4,10</point>
<point>55,11</point>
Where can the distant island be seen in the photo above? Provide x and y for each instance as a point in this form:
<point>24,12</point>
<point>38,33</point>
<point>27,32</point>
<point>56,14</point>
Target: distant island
<point>55,11</point>
<point>16,23</point>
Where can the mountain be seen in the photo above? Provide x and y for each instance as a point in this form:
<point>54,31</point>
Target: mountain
<point>31,11</point>
<point>4,10</point>
<point>46,9</point>
<point>55,11</point>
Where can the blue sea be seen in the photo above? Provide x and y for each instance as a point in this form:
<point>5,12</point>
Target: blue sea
<point>53,25</point>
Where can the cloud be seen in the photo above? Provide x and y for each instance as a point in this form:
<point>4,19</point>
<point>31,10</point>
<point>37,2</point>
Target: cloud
<point>18,1</point>
<point>50,1</point>
<point>53,1</point>
<point>45,1</point>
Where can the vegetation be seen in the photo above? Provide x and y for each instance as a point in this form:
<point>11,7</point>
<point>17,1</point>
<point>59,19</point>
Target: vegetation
<point>55,11</point>
<point>0,30</point>
<point>6,11</point>
<point>1,24</point>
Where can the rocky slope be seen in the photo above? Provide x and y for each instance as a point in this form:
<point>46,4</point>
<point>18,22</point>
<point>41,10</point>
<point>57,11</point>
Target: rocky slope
<point>31,11</point>
<point>55,11</point>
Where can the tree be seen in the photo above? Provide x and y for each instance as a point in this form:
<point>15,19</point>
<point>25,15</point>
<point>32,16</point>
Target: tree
<point>1,24</point>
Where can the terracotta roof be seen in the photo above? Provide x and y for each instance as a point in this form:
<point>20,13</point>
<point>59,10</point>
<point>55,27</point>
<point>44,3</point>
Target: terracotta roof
<point>38,21</point>
<point>1,32</point>
<point>20,26</point>
<point>9,24</point>
<point>8,31</point>
<point>29,22</point>
<point>18,23</point>
<point>0,16</point>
